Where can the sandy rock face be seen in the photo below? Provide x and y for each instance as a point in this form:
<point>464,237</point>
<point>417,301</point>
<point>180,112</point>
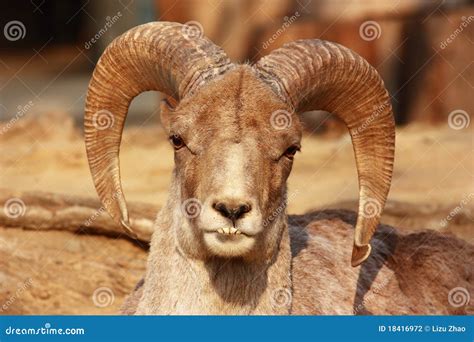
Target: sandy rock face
<point>58,272</point>
<point>49,267</point>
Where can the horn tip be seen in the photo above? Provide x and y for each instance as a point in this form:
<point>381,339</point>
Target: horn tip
<point>128,229</point>
<point>360,254</point>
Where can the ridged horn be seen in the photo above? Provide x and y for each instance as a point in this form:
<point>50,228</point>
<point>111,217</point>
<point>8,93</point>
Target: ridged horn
<point>315,74</point>
<point>162,56</point>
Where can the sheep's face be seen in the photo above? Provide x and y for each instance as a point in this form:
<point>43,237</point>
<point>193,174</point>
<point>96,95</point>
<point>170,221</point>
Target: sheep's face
<point>234,144</point>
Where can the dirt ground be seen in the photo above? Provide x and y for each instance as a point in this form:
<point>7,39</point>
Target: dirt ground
<point>59,272</point>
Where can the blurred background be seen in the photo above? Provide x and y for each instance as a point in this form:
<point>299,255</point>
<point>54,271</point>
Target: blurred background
<point>423,49</point>
<point>58,263</point>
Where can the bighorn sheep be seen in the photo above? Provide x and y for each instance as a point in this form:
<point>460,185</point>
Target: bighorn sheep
<point>222,243</point>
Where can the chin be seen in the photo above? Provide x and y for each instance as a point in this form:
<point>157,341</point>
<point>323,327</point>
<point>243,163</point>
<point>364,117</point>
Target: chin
<point>228,246</point>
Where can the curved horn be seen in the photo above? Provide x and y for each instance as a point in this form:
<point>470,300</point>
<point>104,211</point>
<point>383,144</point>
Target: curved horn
<point>161,56</point>
<point>315,74</point>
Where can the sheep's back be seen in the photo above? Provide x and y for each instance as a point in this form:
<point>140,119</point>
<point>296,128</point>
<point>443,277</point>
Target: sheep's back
<point>405,274</point>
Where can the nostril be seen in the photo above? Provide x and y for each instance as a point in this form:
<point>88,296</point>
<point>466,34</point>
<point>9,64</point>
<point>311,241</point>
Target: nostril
<point>232,212</point>
<point>221,208</point>
<point>245,208</point>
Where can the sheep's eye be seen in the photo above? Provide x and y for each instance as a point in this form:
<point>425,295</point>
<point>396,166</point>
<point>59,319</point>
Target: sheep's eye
<point>291,151</point>
<point>177,141</point>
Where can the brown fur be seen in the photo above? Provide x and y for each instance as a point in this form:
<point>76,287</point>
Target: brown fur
<point>406,274</point>
<point>232,153</point>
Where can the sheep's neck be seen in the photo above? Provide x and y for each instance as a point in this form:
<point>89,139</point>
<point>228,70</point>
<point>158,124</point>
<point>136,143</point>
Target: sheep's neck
<point>177,284</point>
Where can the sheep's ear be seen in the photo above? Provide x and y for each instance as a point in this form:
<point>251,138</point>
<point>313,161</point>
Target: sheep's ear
<point>167,107</point>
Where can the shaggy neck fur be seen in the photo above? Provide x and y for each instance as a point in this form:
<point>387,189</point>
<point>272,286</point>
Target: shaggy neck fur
<point>180,280</point>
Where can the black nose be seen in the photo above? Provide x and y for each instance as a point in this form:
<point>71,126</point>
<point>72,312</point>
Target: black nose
<point>232,211</point>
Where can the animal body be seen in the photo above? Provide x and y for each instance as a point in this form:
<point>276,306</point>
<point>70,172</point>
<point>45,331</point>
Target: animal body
<point>223,243</point>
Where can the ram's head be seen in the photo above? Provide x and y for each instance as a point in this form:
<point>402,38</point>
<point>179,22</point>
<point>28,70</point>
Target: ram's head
<point>235,130</point>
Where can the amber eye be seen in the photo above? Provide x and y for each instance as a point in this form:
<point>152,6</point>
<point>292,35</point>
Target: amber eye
<point>291,151</point>
<point>177,141</point>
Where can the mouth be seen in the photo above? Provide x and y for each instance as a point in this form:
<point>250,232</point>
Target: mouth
<point>228,241</point>
<point>228,231</point>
